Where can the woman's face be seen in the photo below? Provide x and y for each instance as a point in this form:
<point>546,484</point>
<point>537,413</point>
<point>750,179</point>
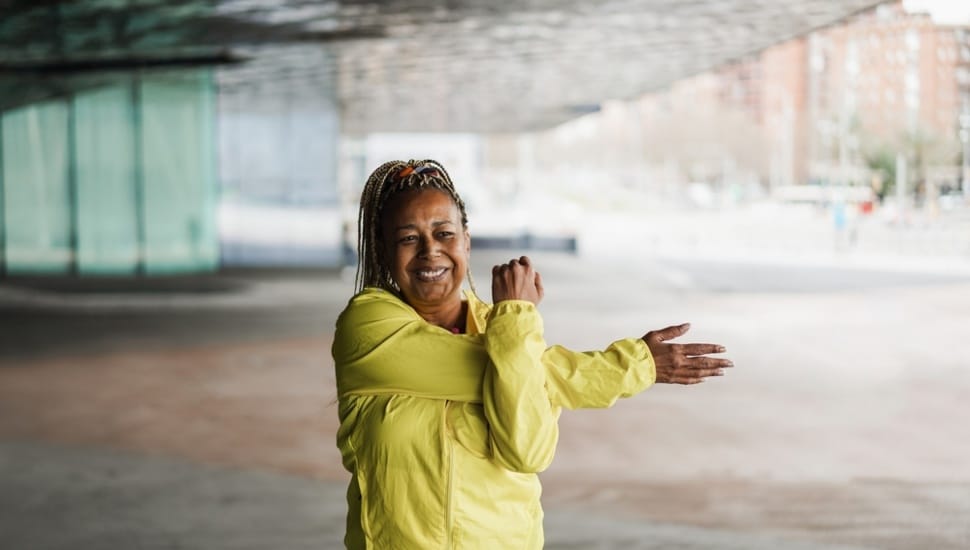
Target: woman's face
<point>426,247</point>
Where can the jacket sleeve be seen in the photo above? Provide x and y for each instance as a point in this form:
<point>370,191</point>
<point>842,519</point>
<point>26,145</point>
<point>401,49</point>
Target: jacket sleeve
<point>596,379</point>
<point>380,346</point>
<point>523,424</point>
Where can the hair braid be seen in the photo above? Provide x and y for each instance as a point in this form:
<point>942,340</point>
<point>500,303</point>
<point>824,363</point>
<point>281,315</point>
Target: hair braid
<point>382,185</point>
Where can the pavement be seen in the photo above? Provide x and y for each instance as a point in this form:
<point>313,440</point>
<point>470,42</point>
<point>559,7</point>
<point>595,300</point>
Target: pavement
<point>199,412</point>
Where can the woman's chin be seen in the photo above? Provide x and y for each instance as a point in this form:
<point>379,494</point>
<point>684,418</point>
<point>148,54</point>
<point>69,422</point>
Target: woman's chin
<point>433,295</point>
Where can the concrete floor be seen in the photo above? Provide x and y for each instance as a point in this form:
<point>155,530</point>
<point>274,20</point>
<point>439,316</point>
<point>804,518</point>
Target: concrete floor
<point>199,412</point>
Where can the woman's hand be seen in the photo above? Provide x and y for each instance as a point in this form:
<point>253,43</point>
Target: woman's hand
<point>516,280</point>
<point>683,363</point>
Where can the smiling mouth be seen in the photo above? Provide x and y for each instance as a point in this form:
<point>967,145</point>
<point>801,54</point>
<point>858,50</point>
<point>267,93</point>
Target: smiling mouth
<point>431,275</point>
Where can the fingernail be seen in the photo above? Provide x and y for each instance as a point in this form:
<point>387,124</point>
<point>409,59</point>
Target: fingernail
<point>721,349</point>
<point>720,372</point>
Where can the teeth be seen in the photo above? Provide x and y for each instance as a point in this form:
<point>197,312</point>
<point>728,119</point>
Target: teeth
<point>431,273</point>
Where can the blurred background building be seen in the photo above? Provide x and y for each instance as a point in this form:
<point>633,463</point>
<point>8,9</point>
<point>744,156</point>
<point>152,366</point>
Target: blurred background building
<point>147,137</point>
<point>833,107</point>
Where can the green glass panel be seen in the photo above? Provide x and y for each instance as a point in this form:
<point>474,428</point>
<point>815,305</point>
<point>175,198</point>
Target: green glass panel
<point>3,229</point>
<point>179,172</point>
<point>105,164</point>
<point>36,199</point>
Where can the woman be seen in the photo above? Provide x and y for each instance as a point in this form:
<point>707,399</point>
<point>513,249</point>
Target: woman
<point>449,406</point>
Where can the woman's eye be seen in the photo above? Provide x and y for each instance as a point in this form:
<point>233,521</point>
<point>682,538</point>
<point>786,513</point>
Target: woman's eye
<point>408,239</point>
<point>445,234</point>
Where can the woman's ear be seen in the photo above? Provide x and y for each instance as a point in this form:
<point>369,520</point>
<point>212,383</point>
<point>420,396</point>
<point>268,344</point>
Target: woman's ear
<point>468,243</point>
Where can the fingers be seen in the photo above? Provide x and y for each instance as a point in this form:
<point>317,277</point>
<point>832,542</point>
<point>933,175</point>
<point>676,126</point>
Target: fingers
<point>707,363</point>
<point>700,349</point>
<point>539,288</point>
<point>673,367</point>
<point>680,362</point>
<point>522,261</point>
<point>704,373</point>
<point>668,333</point>
<point>684,381</point>
<point>696,371</point>
<point>687,375</point>
<point>516,280</point>
<point>684,363</point>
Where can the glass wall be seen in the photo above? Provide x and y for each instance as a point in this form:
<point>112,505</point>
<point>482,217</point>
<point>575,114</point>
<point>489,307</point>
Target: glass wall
<point>107,198</point>
<point>179,174</point>
<point>118,179</point>
<point>36,192</point>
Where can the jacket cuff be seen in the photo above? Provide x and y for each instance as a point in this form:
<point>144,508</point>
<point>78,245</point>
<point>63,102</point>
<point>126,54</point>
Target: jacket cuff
<point>646,358</point>
<point>512,320</point>
<point>512,306</point>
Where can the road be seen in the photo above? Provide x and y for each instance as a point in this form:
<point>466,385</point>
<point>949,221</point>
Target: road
<point>198,412</point>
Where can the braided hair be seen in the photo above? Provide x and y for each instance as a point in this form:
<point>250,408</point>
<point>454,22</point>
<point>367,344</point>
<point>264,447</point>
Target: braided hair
<point>384,183</point>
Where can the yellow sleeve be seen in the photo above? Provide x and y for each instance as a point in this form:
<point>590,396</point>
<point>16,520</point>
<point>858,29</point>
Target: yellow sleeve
<point>523,425</point>
<point>383,346</point>
<point>596,379</point>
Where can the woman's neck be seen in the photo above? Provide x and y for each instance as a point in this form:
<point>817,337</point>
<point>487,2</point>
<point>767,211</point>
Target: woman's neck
<point>451,316</point>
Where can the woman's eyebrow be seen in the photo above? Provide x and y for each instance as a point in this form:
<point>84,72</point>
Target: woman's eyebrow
<point>435,223</point>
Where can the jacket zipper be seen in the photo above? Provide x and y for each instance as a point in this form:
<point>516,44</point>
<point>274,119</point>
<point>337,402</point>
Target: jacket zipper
<point>451,477</point>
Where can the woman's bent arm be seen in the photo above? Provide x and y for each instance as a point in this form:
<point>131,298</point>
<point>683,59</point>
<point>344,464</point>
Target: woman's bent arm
<point>523,425</point>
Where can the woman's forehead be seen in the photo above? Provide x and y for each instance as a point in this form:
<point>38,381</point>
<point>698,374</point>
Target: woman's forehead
<point>421,203</point>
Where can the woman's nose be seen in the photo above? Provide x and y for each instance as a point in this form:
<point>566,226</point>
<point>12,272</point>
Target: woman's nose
<point>428,247</point>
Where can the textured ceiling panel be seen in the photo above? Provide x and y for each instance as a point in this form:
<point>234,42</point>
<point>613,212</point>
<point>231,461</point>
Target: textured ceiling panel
<point>407,65</point>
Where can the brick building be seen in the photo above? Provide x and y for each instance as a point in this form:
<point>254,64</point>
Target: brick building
<point>886,81</point>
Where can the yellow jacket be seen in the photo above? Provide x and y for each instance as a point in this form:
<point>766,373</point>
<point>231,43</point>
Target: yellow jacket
<point>444,433</point>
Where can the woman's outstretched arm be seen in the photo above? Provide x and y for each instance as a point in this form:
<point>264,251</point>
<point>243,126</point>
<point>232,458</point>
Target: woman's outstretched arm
<point>596,379</point>
<point>383,346</point>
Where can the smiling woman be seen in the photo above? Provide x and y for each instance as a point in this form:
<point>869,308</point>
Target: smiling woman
<point>449,406</point>
<point>427,249</point>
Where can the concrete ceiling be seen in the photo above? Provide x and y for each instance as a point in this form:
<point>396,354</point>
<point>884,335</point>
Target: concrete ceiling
<point>404,65</point>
